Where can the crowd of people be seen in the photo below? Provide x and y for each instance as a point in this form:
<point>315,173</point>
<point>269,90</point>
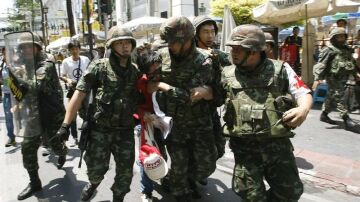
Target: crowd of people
<point>184,78</point>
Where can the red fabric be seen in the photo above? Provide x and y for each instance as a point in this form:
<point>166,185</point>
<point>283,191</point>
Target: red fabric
<point>289,54</point>
<point>146,106</point>
<point>146,150</point>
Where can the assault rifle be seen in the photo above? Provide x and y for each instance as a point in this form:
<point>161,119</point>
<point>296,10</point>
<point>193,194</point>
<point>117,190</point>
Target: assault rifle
<point>87,126</point>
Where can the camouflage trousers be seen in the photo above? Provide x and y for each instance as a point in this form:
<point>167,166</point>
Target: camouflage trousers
<point>193,156</point>
<point>119,143</point>
<point>272,160</point>
<point>336,97</point>
<point>33,136</point>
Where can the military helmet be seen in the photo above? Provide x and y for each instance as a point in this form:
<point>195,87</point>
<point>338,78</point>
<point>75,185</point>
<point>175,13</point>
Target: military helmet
<point>200,20</point>
<point>337,31</point>
<point>248,36</point>
<point>28,38</point>
<point>268,38</point>
<point>177,29</point>
<point>118,33</point>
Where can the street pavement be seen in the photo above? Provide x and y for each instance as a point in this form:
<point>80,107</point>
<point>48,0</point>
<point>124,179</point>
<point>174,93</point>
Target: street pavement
<point>328,159</point>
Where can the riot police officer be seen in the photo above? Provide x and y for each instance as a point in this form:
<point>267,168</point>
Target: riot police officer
<point>259,118</point>
<point>39,103</point>
<point>337,66</point>
<point>187,82</point>
<point>113,83</point>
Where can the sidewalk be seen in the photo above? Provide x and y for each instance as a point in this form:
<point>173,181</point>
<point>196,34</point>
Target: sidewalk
<point>326,171</point>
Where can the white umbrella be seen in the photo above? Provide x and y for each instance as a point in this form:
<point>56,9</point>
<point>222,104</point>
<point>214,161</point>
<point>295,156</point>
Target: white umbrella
<point>143,25</point>
<point>282,11</point>
<point>58,43</point>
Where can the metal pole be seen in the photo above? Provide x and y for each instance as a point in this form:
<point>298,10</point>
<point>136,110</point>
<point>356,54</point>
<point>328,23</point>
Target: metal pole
<point>307,45</point>
<point>43,22</point>
<point>106,24</point>
<point>90,38</point>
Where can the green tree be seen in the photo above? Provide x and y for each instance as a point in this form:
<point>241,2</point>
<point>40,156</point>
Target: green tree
<point>17,16</point>
<point>241,9</point>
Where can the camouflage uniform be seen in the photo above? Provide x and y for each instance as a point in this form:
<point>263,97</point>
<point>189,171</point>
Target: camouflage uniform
<point>49,95</point>
<point>41,109</point>
<point>116,101</point>
<point>260,141</point>
<point>220,59</point>
<point>338,67</point>
<point>192,132</point>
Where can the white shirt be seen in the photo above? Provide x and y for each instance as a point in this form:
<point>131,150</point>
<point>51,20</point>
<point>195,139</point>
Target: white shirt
<point>297,88</point>
<point>70,67</point>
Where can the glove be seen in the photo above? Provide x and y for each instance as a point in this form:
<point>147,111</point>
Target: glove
<point>64,132</point>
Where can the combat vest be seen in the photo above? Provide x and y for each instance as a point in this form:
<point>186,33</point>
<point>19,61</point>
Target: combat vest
<point>343,63</point>
<point>251,110</point>
<point>116,96</point>
<point>185,74</point>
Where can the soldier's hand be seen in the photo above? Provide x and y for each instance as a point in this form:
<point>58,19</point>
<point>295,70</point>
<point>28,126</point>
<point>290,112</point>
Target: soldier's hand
<point>315,84</point>
<point>295,116</point>
<point>64,132</point>
<point>199,93</point>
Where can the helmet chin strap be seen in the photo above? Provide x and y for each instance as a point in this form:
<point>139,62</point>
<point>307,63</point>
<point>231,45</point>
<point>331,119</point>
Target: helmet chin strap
<point>247,54</point>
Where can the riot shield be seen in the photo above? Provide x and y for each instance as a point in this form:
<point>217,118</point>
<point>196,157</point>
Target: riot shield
<point>20,58</point>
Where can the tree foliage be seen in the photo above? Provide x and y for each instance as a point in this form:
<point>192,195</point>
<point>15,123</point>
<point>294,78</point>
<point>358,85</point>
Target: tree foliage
<point>17,16</point>
<point>241,9</point>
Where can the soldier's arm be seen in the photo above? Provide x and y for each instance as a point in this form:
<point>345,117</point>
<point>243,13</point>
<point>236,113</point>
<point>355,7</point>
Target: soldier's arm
<point>73,106</point>
<point>296,87</point>
<point>85,85</point>
<point>320,68</point>
<point>172,92</point>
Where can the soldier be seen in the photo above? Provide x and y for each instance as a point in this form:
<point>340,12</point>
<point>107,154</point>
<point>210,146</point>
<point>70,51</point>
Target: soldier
<point>259,118</point>
<point>337,66</point>
<point>186,82</point>
<point>113,83</point>
<point>41,109</point>
<point>205,34</point>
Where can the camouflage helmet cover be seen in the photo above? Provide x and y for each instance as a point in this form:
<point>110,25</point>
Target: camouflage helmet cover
<point>177,29</point>
<point>337,31</point>
<point>30,38</point>
<point>202,19</point>
<point>268,38</point>
<point>118,33</point>
<point>247,36</point>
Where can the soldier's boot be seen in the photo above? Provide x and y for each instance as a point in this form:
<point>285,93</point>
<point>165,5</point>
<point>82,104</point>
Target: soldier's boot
<point>325,118</point>
<point>184,198</point>
<point>195,192</point>
<point>33,186</point>
<point>61,161</point>
<point>203,182</point>
<point>118,198</point>
<point>88,191</point>
<point>349,124</point>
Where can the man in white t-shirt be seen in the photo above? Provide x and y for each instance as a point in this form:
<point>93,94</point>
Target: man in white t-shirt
<point>72,69</point>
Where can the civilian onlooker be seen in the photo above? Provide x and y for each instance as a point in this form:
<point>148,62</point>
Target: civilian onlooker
<point>72,69</point>
<point>341,23</point>
<point>7,102</point>
<point>270,45</point>
<point>295,39</point>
